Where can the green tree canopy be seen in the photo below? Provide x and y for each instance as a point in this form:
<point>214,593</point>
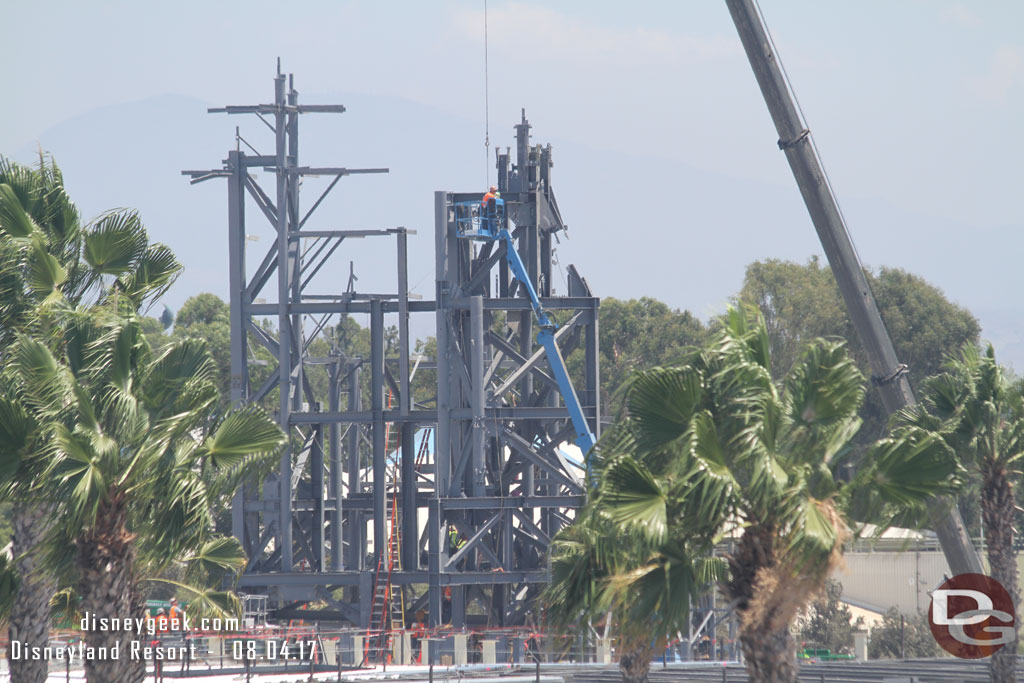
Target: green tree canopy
<point>827,623</point>
<point>801,301</point>
<point>638,334</point>
<point>896,637</point>
<point>206,317</point>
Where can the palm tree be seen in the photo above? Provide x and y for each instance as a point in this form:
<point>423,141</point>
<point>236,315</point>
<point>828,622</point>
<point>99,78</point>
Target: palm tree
<point>600,571</point>
<point>975,409</point>
<point>48,260</point>
<point>136,455</point>
<point>757,465</point>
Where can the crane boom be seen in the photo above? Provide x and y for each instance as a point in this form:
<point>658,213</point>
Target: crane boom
<point>889,375</point>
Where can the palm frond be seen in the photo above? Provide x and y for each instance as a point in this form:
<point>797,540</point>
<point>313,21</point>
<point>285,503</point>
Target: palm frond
<point>155,272</point>
<point>115,243</point>
<point>661,402</point>
<point>205,603</point>
<point>14,219</point>
<point>825,386</point>
<point>219,555</point>
<point>246,431</point>
<point>635,499</point>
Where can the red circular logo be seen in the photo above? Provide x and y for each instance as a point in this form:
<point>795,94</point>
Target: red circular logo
<point>971,616</point>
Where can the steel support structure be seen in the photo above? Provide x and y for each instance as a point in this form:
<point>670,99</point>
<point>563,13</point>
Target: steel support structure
<point>502,426</point>
<point>478,512</point>
<point>302,517</point>
<point>890,377</point>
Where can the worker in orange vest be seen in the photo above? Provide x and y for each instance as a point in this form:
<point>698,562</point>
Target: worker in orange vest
<point>176,616</point>
<point>488,210</point>
<point>491,194</point>
<point>162,621</point>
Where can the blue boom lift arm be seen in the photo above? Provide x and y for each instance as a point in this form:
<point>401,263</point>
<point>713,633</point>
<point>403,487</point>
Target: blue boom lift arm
<point>492,226</point>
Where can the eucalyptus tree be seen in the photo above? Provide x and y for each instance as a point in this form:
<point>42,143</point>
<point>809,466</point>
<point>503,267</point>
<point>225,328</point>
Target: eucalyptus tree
<point>50,260</point>
<point>761,467</point>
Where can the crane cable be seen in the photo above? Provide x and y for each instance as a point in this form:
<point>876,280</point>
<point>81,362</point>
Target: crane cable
<point>487,107</point>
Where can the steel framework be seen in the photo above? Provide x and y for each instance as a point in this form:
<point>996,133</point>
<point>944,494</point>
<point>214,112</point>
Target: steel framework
<point>475,515</point>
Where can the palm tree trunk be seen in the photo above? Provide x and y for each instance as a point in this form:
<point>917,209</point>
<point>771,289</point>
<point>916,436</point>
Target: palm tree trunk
<point>105,557</point>
<point>635,661</point>
<point>997,506</point>
<point>764,608</point>
<point>137,667</point>
<point>30,613</point>
<point>770,655</point>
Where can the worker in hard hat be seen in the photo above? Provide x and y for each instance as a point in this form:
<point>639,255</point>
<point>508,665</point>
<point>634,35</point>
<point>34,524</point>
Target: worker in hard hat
<point>491,193</point>
<point>489,210</point>
<point>176,616</point>
<point>162,621</point>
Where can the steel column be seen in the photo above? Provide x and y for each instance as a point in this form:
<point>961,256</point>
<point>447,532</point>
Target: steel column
<point>380,473</point>
<point>237,304</point>
<point>356,528</point>
<point>476,350</point>
<point>284,354</point>
<point>334,458</point>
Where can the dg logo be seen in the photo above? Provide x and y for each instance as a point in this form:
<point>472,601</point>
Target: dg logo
<point>971,616</point>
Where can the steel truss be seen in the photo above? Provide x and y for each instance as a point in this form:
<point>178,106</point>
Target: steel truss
<point>476,517</point>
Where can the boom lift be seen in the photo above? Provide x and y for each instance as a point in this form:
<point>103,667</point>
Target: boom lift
<point>488,223</point>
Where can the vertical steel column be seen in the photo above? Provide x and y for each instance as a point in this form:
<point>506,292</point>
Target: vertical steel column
<point>593,365</point>
<point>380,471</point>
<point>238,315</point>
<point>459,606</point>
<point>356,529</point>
<point>442,449</point>
<point>294,253</point>
<point>317,517</point>
<point>478,398</point>
<point>405,402</point>
<point>365,598</point>
<point>436,543</point>
<point>410,528</point>
<point>795,140</point>
<point>435,561</point>
<point>336,482</point>
<point>284,353</point>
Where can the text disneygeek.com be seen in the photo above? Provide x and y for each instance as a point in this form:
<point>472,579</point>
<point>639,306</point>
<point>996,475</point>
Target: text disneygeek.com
<point>149,646</point>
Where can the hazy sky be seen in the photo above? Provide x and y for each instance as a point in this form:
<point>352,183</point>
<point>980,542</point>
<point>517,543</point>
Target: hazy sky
<point>659,126</point>
<point>916,102</point>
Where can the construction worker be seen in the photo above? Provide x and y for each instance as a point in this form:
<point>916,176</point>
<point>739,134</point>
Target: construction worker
<point>488,210</point>
<point>176,616</point>
<point>162,627</point>
<point>455,540</point>
<point>162,621</point>
<point>491,193</point>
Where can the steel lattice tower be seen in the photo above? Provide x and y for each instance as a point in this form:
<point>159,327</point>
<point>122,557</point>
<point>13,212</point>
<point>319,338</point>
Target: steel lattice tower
<point>478,513</point>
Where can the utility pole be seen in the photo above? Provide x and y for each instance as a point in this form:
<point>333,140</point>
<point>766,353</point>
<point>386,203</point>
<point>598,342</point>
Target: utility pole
<point>889,375</point>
